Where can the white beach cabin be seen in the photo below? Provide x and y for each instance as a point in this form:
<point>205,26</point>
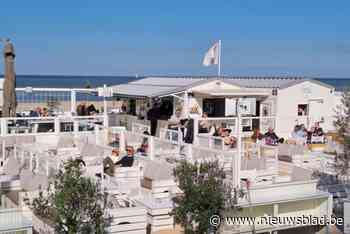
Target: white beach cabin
<point>289,100</point>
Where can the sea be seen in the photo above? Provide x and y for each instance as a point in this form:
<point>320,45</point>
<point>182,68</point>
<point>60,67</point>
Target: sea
<point>60,81</point>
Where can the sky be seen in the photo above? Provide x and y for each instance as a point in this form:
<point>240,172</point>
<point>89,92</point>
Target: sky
<point>160,37</point>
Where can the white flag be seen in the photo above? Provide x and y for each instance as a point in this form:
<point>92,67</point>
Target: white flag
<point>212,55</point>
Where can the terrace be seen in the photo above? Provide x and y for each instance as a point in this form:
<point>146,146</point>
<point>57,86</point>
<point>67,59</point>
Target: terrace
<point>150,182</point>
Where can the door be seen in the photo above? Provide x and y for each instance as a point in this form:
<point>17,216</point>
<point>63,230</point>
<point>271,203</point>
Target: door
<point>316,111</point>
<point>215,107</point>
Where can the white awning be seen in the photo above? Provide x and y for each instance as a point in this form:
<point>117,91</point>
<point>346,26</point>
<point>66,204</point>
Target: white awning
<point>233,92</point>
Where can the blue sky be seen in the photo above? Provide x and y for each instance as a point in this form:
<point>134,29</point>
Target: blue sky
<point>304,38</point>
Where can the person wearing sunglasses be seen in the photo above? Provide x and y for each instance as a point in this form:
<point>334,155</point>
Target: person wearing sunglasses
<point>111,162</point>
<point>128,160</point>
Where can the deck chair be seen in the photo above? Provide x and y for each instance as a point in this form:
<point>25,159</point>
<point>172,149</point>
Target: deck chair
<point>125,180</point>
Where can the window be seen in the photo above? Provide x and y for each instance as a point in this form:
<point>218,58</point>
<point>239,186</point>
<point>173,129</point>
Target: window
<point>303,109</point>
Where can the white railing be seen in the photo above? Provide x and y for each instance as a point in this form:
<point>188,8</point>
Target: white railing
<point>15,220</point>
<point>173,136</point>
<point>43,125</point>
<point>225,122</point>
<point>215,142</point>
<point>140,128</point>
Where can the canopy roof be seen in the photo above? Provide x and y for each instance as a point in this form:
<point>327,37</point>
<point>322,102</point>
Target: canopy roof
<point>233,92</point>
<point>163,86</point>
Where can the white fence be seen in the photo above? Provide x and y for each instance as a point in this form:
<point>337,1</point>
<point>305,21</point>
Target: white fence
<point>41,125</point>
<point>15,220</point>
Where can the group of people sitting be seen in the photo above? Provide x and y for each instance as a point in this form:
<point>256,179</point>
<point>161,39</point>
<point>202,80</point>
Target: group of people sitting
<point>113,161</point>
<point>39,112</point>
<point>314,135</point>
<point>225,134</point>
<point>185,125</point>
<point>270,137</point>
<point>222,131</point>
<point>84,110</point>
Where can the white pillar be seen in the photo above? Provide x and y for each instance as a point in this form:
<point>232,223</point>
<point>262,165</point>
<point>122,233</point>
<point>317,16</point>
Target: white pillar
<point>15,151</point>
<point>236,160</point>
<point>122,140</point>
<point>151,147</point>
<point>195,131</point>
<point>3,150</point>
<point>97,135</point>
<point>186,104</point>
<point>275,210</point>
<point>189,156</point>
<point>31,161</point>
<point>57,125</point>
<point>73,101</point>
<point>174,105</point>
<point>47,166</point>
<point>3,127</point>
<point>105,111</point>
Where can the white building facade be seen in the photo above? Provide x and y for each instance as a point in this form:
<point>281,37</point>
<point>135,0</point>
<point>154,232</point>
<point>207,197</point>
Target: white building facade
<point>290,101</point>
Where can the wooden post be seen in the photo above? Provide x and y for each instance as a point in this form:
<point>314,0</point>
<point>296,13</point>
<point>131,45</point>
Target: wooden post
<point>9,86</point>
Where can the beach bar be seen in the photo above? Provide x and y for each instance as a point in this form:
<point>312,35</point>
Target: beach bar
<point>290,100</point>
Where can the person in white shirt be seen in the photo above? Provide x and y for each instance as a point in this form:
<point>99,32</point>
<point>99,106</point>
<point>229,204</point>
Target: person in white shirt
<point>175,121</point>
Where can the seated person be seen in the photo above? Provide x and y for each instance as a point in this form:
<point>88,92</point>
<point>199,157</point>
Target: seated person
<point>128,160</point>
<point>110,161</point>
<point>91,109</point>
<point>218,131</point>
<point>175,121</point>
<point>144,144</point>
<point>228,139</point>
<point>299,134</point>
<point>302,130</point>
<point>271,137</point>
<point>257,136</point>
<point>295,131</point>
<point>204,125</point>
<point>315,135</point>
<point>318,131</point>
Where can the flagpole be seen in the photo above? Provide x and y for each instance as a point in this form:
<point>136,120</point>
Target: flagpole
<point>219,58</point>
